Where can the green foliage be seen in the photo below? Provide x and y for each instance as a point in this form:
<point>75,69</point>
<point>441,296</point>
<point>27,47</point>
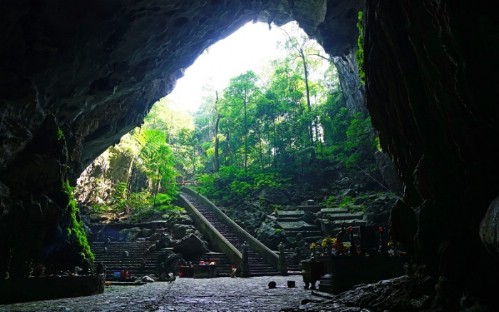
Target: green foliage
<point>140,201</point>
<point>360,142</point>
<point>236,183</point>
<point>348,136</point>
<point>268,180</point>
<point>206,184</point>
<point>360,46</point>
<point>172,209</point>
<point>330,201</point>
<point>144,207</point>
<point>273,129</point>
<point>164,206</point>
<point>241,189</point>
<point>98,208</point>
<point>76,229</point>
<point>60,134</point>
<point>120,196</point>
<point>163,200</point>
<point>346,202</point>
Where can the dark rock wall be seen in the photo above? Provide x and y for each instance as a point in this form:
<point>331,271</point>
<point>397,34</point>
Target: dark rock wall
<point>351,86</point>
<point>91,70</point>
<point>432,94</point>
<point>98,66</point>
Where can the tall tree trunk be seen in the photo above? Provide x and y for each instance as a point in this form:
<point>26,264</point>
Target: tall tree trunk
<point>216,161</point>
<point>245,129</point>
<point>309,105</point>
<point>128,190</point>
<point>260,151</point>
<point>275,144</point>
<point>156,190</point>
<point>307,90</point>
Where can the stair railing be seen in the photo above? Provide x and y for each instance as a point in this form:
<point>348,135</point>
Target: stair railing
<point>216,238</point>
<point>266,253</point>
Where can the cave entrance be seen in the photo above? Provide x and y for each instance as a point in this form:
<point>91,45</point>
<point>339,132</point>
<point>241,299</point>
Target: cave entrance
<point>237,97</point>
<point>273,133</point>
<point>245,126</point>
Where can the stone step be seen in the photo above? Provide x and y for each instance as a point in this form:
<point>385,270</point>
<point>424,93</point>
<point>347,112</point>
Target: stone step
<point>332,211</point>
<point>139,261</point>
<point>234,239</point>
<point>289,215</point>
<point>343,216</point>
<point>297,226</point>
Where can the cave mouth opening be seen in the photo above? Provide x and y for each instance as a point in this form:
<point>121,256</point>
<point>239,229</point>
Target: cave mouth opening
<point>267,51</point>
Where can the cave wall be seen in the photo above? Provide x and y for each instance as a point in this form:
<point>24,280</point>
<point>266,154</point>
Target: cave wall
<point>351,86</point>
<point>432,93</point>
<point>89,71</point>
<point>76,76</point>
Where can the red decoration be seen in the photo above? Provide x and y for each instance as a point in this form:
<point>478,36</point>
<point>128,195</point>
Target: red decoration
<point>381,229</point>
<point>350,229</point>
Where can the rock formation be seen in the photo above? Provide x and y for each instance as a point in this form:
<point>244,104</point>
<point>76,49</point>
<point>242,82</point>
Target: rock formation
<point>432,94</point>
<point>76,76</point>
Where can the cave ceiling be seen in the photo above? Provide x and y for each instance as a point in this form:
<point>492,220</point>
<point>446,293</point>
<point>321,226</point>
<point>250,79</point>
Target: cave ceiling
<point>98,66</point>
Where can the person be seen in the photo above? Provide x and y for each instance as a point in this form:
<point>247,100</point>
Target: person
<point>233,271</point>
<point>101,269</point>
<point>340,237</point>
<point>86,266</point>
<point>124,275</point>
<point>39,270</point>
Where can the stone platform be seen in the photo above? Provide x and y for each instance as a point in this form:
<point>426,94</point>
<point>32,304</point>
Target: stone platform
<point>43,288</point>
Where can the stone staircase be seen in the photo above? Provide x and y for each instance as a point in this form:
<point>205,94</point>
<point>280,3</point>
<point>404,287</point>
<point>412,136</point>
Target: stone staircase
<point>294,223</point>
<point>224,265</point>
<point>311,223</point>
<point>258,266</point>
<point>133,256</point>
<point>333,219</point>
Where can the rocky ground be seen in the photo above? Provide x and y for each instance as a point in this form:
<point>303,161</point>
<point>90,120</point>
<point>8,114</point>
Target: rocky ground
<point>224,294</point>
<point>185,294</point>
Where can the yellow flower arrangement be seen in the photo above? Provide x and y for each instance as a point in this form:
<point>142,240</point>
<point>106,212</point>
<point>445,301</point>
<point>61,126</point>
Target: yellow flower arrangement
<point>328,241</point>
<point>313,246</point>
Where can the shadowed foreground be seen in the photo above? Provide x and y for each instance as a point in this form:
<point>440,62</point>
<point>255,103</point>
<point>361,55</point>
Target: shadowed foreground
<point>184,294</point>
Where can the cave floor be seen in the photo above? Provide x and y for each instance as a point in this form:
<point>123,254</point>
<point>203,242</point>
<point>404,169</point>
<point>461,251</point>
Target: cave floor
<point>186,294</point>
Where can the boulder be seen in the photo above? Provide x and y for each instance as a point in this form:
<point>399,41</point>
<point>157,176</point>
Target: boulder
<point>130,234</point>
<point>489,227</point>
<point>270,234</point>
<point>190,246</point>
<point>181,230</point>
<point>274,197</point>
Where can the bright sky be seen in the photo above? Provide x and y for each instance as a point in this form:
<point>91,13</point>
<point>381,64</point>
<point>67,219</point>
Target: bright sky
<point>250,48</point>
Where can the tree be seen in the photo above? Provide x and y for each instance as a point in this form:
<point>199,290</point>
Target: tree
<point>237,107</point>
<point>308,54</point>
<point>157,161</point>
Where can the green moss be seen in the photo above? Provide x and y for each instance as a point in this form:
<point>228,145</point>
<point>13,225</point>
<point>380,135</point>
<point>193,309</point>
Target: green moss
<point>346,202</point>
<point>330,201</point>
<point>60,134</point>
<point>360,46</point>
<point>76,229</point>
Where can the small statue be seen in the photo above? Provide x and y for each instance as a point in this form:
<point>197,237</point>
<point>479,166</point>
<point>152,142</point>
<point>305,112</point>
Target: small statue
<point>353,247</point>
<point>382,243</point>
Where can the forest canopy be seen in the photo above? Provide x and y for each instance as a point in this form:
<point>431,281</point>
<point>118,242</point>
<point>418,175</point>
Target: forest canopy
<point>268,130</point>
